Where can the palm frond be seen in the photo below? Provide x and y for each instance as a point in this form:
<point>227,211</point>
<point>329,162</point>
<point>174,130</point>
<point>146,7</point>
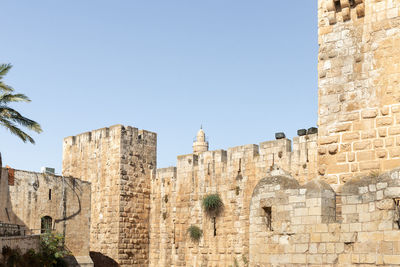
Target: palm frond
<point>7,98</point>
<point>16,131</point>
<point>13,115</point>
<point>5,87</point>
<point>10,118</point>
<point>4,69</point>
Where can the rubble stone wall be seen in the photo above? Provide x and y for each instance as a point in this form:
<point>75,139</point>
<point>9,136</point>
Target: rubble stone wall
<point>24,243</point>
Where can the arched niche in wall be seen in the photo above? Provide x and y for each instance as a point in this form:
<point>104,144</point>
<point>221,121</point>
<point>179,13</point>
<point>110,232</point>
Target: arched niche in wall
<point>268,215</point>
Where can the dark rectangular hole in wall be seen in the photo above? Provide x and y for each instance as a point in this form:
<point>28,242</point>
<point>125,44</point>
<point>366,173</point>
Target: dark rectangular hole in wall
<point>215,227</point>
<point>268,217</point>
<point>337,6</point>
<point>397,211</point>
<point>49,194</point>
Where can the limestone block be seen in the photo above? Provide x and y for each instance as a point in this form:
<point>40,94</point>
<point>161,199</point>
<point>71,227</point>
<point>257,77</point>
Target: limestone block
<point>328,140</point>
<point>369,165</point>
<point>392,236</point>
<point>381,185</point>
<point>385,121</point>
<point>348,137</point>
<point>332,17</point>
<point>395,108</point>
<point>395,130</point>
<point>346,12</point>
<point>385,110</point>
<point>362,145</point>
<point>392,192</point>
<point>382,132</point>
<point>391,259</point>
<point>344,3</point>
<point>369,113</point>
<point>333,149</point>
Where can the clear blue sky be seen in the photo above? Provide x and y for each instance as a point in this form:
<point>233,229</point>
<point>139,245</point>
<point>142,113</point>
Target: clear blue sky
<point>243,69</point>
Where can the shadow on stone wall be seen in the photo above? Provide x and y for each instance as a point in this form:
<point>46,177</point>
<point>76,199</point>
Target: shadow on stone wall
<point>101,260</point>
<point>65,200</point>
<point>6,213</point>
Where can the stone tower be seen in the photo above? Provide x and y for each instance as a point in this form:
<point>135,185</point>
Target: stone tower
<point>120,163</point>
<point>201,144</point>
<point>359,93</point>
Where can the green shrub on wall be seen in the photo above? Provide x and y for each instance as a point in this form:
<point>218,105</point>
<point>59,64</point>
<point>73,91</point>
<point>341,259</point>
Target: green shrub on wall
<point>195,232</point>
<point>51,254</point>
<point>52,249</point>
<point>212,204</point>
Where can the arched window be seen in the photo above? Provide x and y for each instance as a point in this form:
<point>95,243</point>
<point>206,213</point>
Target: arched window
<point>46,224</point>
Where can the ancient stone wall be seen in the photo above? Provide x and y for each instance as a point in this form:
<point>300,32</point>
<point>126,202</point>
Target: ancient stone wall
<point>177,194</point>
<point>293,225</point>
<point>27,197</point>
<point>24,243</point>
<point>359,74</point>
<point>120,163</point>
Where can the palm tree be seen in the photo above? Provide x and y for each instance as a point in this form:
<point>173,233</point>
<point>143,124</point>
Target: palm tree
<point>10,118</point>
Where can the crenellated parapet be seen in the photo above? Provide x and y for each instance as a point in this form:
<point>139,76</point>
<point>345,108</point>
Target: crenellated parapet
<point>177,194</point>
<point>112,132</point>
<point>343,10</point>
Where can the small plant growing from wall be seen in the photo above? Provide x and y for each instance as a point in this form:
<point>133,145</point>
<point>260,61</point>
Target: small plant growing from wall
<point>195,233</point>
<point>52,253</point>
<point>374,174</point>
<point>212,204</point>
<point>237,190</point>
<point>236,262</point>
<point>245,261</point>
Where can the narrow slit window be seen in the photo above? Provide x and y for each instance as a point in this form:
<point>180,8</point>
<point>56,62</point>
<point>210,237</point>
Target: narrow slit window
<point>49,194</point>
<point>337,6</point>
<point>397,211</point>
<point>268,217</point>
<point>215,227</point>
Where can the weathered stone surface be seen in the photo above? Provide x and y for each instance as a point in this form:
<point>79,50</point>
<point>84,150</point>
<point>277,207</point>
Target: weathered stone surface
<point>274,213</point>
<point>358,85</point>
<point>32,196</point>
<point>120,163</point>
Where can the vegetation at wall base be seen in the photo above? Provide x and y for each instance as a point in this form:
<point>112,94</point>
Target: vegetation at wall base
<point>51,254</point>
<point>195,232</point>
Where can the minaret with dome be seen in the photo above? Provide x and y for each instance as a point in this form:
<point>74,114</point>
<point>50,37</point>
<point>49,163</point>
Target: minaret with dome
<point>200,144</point>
